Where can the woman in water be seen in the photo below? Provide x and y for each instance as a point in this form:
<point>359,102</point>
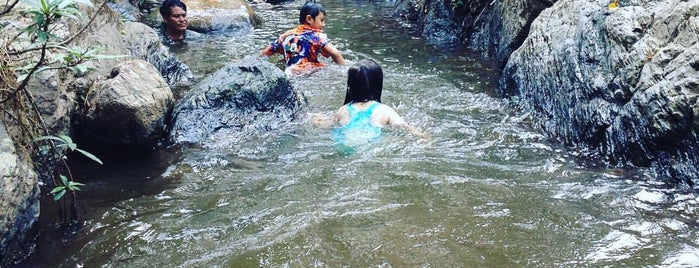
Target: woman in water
<point>362,116</point>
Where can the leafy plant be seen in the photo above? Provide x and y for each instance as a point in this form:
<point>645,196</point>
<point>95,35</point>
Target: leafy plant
<point>61,190</point>
<point>46,12</point>
<point>456,4</point>
<point>66,143</point>
<point>38,48</point>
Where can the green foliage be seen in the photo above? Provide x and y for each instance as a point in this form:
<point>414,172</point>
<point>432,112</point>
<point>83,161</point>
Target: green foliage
<point>45,12</point>
<point>36,48</point>
<point>59,191</point>
<point>457,4</point>
<point>75,58</point>
<point>65,143</point>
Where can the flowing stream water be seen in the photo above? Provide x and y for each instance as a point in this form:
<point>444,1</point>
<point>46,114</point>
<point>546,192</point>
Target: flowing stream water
<point>486,190</point>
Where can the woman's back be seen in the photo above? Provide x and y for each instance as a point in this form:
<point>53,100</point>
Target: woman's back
<point>356,125</point>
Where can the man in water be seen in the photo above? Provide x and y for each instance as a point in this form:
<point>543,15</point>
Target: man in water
<point>174,26</point>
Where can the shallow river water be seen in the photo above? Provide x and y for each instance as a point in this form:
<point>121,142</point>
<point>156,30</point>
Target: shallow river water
<point>486,190</point>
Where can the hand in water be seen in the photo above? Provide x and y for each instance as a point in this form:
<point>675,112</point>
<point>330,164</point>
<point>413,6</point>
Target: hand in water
<point>320,120</point>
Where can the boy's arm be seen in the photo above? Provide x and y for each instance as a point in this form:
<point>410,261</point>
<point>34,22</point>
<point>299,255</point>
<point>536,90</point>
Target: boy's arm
<point>335,54</point>
<point>272,48</point>
<point>266,52</point>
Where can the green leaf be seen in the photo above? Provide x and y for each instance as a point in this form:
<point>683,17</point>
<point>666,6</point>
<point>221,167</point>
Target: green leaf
<point>44,6</point>
<point>41,69</point>
<point>65,138</point>
<point>61,138</point>
<point>64,180</point>
<point>32,11</point>
<point>74,188</point>
<point>84,2</point>
<point>47,138</point>
<point>53,36</point>
<point>42,37</point>
<point>63,3</point>
<point>82,68</point>
<point>75,183</point>
<point>89,155</point>
<point>58,189</point>
<point>58,196</point>
<point>21,77</point>
<point>68,142</point>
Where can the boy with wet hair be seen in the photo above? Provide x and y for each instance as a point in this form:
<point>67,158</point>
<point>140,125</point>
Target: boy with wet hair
<point>301,45</point>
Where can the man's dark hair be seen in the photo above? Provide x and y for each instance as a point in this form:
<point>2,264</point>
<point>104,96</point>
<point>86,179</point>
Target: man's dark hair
<point>167,5</point>
<point>310,8</point>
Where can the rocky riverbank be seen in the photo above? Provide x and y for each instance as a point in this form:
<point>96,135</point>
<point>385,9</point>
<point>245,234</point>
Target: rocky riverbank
<point>618,80</point>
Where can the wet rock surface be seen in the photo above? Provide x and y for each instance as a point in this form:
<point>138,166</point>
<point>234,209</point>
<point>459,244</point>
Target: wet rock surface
<point>242,98</point>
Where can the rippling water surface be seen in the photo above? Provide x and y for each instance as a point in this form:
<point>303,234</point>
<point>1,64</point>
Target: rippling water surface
<point>485,191</point>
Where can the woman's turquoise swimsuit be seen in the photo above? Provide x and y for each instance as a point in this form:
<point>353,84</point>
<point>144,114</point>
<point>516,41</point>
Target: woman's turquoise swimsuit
<point>359,130</point>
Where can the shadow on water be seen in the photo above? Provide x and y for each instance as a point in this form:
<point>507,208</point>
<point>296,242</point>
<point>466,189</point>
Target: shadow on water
<point>125,175</point>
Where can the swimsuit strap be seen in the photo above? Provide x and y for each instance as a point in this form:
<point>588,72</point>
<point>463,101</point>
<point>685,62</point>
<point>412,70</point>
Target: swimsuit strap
<point>357,117</point>
<point>350,109</point>
<point>359,130</point>
<point>368,110</point>
<point>371,108</point>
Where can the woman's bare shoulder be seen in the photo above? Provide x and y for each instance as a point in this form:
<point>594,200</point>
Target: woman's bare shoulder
<point>389,115</point>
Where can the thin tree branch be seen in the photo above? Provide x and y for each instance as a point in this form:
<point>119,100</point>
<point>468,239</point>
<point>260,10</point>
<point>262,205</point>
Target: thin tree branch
<point>69,39</point>
<point>89,22</point>
<point>9,7</point>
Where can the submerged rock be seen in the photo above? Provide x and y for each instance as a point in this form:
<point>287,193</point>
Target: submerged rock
<point>243,97</point>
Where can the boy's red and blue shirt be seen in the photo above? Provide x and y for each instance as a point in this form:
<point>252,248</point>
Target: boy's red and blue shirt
<point>300,47</point>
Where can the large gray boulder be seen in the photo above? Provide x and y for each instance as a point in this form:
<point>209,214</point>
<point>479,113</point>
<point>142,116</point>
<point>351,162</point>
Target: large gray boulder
<point>128,108</point>
<point>19,199</point>
<point>131,40</point>
<point>242,98</point>
<point>622,82</point>
<point>493,28</point>
<point>220,16</point>
<point>58,94</point>
<point>142,42</point>
<point>618,82</point>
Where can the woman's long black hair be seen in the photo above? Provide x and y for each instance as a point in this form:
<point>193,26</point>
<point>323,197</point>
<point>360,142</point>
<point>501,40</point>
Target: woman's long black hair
<point>364,82</point>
